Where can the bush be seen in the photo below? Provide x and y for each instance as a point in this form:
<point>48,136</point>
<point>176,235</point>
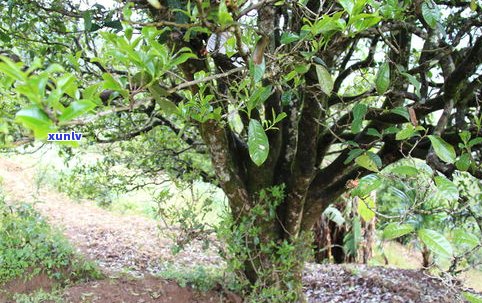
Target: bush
<point>199,277</point>
<point>29,246</point>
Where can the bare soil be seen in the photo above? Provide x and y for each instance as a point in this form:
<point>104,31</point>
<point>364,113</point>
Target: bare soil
<point>133,243</point>
<point>18,285</point>
<point>146,290</point>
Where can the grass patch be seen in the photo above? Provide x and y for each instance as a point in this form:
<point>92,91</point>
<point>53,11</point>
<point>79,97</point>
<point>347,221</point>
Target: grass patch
<point>397,255</point>
<point>39,296</point>
<point>199,277</point>
<point>29,247</point>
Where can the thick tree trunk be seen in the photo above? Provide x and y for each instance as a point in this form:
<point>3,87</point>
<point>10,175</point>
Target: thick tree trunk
<point>274,277</point>
<point>272,265</point>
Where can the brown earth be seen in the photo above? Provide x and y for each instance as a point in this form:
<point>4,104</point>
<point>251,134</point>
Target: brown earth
<point>18,285</point>
<point>120,242</point>
<point>146,290</point>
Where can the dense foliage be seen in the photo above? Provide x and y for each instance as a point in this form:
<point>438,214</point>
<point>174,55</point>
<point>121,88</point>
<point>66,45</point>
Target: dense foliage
<point>309,96</point>
<point>431,211</point>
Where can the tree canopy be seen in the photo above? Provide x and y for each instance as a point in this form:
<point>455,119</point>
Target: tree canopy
<point>293,101</point>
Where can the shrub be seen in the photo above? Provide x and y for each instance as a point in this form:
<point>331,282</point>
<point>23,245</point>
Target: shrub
<point>29,246</point>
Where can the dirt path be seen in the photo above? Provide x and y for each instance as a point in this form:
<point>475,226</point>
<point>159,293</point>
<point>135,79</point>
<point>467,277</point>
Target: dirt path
<point>116,242</point>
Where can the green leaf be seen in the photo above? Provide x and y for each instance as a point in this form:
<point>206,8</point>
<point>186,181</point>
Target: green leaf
<point>401,195</point>
<point>92,93</point>
<point>33,116</point>
<point>359,6</point>
<point>382,81</point>
<point>286,98</point>
<point>367,162</point>
<point>465,136</point>
<point>258,71</point>
<point>352,240</point>
<point>430,13</point>
<point>54,68</point>
<point>353,154</point>
<point>461,237</point>
<point>159,95</point>
<point>116,24</point>
<point>302,68</point>
<point>391,130</point>
<point>234,119</point>
<point>366,185</point>
<point>348,6</point>
<point>258,144</point>
<point>35,119</point>
<point>326,26</point>
<point>443,150</point>
<point>279,117</point>
<point>324,79</point>
<point>287,38</point>
<point>447,188</point>
<point>111,83</point>
<point>413,80</point>
<point>258,97</point>
<point>405,170</point>
<point>34,88</point>
<point>224,16</point>
<point>140,80</point>
<point>396,230</point>
<point>67,84</point>
<point>401,111</point>
<point>463,163</point>
<point>473,5</point>
<point>87,20</point>
<point>374,132</point>
<point>365,21</point>
<point>375,158</point>
<point>289,76</point>
<point>436,242</point>
<point>4,37</point>
<point>472,298</point>
<point>76,109</point>
<point>365,207</point>
<point>12,69</point>
<point>406,133</point>
<point>182,58</point>
<point>474,142</point>
<point>356,230</point>
<point>359,112</point>
<point>333,214</point>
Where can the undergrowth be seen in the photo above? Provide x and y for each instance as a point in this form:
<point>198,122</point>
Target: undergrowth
<point>40,296</point>
<point>29,246</point>
<point>199,277</point>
